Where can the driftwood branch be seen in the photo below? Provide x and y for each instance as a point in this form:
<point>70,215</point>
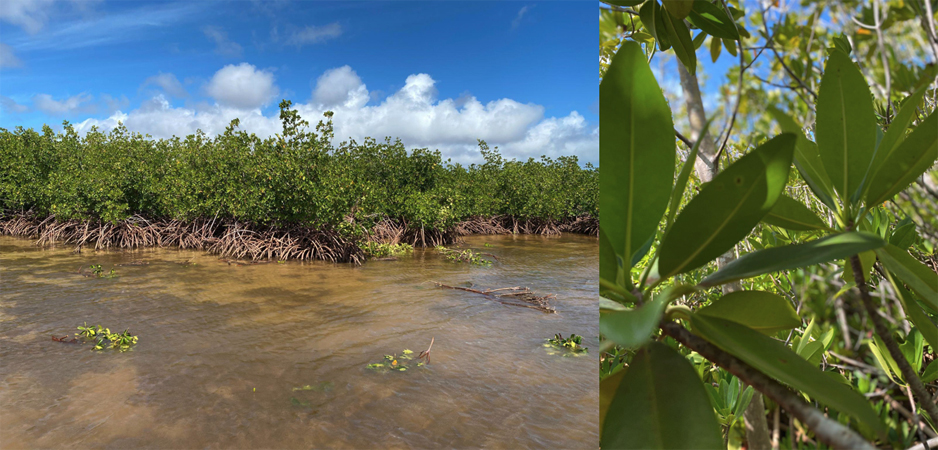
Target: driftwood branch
<point>827,430</point>
<point>528,297</point>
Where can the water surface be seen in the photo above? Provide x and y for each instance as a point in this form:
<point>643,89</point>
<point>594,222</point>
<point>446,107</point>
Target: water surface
<point>222,346</point>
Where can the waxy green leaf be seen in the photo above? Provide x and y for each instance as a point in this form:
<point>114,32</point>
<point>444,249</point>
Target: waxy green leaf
<point>776,360</point>
<point>649,14</point>
<point>846,125</point>
<point>896,133</point>
<point>915,313</point>
<point>679,37</point>
<point>636,151</point>
<point>678,192</point>
<point>762,311</point>
<point>633,328</point>
<point>660,403</point>
<point>713,20</point>
<point>908,161</point>
<point>826,249</point>
<point>807,159</point>
<point>791,214</point>
<point>679,9</point>
<point>922,280</point>
<point>727,208</point>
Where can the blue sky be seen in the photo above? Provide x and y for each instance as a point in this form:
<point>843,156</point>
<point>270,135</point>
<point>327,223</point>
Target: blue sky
<point>521,75</point>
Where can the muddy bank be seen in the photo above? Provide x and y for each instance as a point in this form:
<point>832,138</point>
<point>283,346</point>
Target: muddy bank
<point>235,239</point>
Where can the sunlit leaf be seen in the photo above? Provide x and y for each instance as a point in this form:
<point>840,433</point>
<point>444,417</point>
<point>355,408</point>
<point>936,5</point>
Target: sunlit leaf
<point>896,133</point>
<point>716,46</point>
<point>636,146</point>
<point>660,403</point>
<point>791,214</point>
<point>915,314</point>
<point>922,280</point>
<point>681,184</point>
<point>679,37</point>
<point>846,124</point>
<point>776,360</point>
<point>762,311</point>
<point>728,208</point>
<point>807,159</point>
<point>826,249</point>
<point>711,19</point>
<point>908,161</point>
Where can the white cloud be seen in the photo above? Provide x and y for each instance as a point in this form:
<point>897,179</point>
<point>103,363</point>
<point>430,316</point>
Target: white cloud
<point>31,15</point>
<point>168,83</point>
<point>75,104</point>
<point>312,34</point>
<point>517,20</point>
<point>340,86</point>
<point>223,45</point>
<point>7,58</point>
<point>413,114</point>
<point>242,86</point>
<point>113,104</point>
<point>9,105</point>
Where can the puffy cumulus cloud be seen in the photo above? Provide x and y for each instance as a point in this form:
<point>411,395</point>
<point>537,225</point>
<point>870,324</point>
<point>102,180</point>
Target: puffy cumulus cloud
<point>312,34</point>
<point>340,86</point>
<point>8,105</point>
<point>7,58</point>
<point>413,114</point>
<point>80,103</point>
<point>242,86</point>
<point>168,83</point>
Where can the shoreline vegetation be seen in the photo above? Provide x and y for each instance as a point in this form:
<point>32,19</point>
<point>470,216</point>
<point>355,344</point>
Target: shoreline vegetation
<point>291,196</point>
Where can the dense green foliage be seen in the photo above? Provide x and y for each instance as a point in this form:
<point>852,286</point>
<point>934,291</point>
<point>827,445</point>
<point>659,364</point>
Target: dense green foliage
<point>297,178</point>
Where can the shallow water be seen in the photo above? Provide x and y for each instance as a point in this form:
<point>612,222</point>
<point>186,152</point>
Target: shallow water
<point>222,347</point>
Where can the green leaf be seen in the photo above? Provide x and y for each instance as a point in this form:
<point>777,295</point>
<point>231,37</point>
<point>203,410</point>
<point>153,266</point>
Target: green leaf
<point>660,403</point>
<point>762,311</point>
<point>679,37</point>
<point>807,159</point>
<point>716,47</point>
<point>922,280</point>
<point>633,328</point>
<point>904,236</point>
<point>867,259</point>
<point>791,214</point>
<point>608,258</point>
<point>884,360</point>
<point>896,133</point>
<point>915,313</point>
<point>846,124</point>
<point>931,372</point>
<point>727,208</point>
<point>624,2</point>
<point>730,46</point>
<point>711,19</point>
<point>699,39</point>
<point>907,162</point>
<point>648,13</point>
<point>679,9</point>
<point>912,349</point>
<point>678,192</point>
<point>607,391</point>
<point>776,360</point>
<point>826,249</point>
<point>637,148</point>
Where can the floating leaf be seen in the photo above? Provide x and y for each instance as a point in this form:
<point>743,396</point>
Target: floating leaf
<point>846,124</point>
<point>660,403</point>
<point>791,214</point>
<point>727,208</point>
<point>776,360</point>
<point>762,311</point>
<point>636,147</point>
<point>826,249</point>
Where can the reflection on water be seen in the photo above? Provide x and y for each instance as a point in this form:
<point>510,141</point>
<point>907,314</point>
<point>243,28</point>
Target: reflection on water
<point>222,347</point>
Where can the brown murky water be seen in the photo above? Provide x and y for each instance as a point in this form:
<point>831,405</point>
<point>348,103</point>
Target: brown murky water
<point>222,347</point>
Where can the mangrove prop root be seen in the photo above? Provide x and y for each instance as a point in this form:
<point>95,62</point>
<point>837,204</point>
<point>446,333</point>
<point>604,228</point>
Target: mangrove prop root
<point>908,373</point>
<point>529,298</point>
<point>232,239</point>
<point>827,430</point>
<point>426,353</point>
